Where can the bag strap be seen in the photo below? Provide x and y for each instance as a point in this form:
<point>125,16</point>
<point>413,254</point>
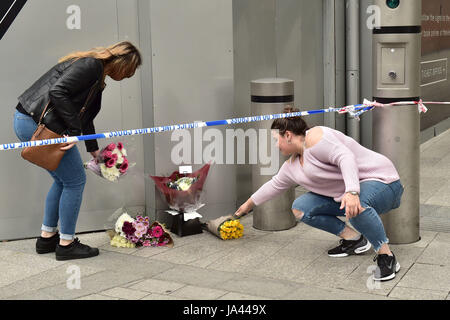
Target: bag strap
<point>43,114</point>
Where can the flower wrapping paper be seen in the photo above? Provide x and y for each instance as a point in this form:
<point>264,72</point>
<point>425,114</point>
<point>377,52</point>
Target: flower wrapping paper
<point>225,227</point>
<point>187,200</point>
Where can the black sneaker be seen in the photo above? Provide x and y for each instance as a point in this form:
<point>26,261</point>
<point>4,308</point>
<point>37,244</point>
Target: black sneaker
<point>387,267</point>
<point>47,245</point>
<point>75,250</point>
<point>350,247</point>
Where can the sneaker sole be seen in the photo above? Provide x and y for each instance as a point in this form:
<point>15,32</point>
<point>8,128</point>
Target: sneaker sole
<point>42,251</point>
<point>389,277</point>
<point>356,252</point>
<point>63,258</point>
<point>363,249</point>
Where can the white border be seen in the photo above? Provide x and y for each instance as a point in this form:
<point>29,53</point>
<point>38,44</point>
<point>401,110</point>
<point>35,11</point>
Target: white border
<point>8,11</point>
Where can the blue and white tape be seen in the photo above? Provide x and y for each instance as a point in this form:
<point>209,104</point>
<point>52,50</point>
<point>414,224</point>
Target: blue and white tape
<point>354,110</point>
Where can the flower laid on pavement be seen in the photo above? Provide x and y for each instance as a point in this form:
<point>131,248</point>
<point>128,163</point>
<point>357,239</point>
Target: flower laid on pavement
<point>225,227</point>
<point>231,229</point>
<point>139,232</point>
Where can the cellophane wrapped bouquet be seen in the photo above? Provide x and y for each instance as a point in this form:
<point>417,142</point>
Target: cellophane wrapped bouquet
<point>131,233</point>
<point>183,191</point>
<point>112,162</point>
<point>226,227</point>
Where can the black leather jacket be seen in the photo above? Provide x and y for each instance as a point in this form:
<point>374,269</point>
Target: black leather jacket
<point>68,88</point>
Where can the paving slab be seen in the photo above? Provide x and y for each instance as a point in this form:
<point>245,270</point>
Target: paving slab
<point>429,186</point>
<point>155,296</point>
<point>198,293</point>
<point>157,286</point>
<point>195,276</point>
<point>248,256</point>
<point>328,271</point>
<point>145,267</point>
<point>91,284</point>
<point>44,279</point>
<point>442,196</point>
<point>290,261</point>
<point>96,296</point>
<point>258,286</point>
<point>33,295</point>
<point>241,296</point>
<point>428,277</point>
<point>124,293</point>
<point>438,251</point>
<point>417,294</point>
<point>12,273</point>
<point>192,252</point>
<point>317,293</point>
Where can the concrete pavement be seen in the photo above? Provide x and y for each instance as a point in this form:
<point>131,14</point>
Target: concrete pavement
<point>290,264</point>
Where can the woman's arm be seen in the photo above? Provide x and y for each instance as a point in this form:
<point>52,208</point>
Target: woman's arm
<point>279,183</point>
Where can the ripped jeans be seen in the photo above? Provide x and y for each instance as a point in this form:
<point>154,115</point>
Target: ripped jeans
<point>321,212</point>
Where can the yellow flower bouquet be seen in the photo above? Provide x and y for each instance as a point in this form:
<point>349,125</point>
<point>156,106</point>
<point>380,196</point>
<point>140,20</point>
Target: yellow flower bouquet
<point>225,227</point>
<point>231,229</point>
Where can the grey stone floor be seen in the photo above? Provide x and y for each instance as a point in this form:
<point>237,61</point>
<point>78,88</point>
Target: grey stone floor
<point>290,264</point>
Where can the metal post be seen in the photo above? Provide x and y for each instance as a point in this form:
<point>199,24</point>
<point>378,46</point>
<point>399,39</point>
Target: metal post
<point>396,130</point>
<point>271,95</point>
<point>352,59</point>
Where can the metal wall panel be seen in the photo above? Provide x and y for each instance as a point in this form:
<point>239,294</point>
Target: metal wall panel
<point>299,51</point>
<point>277,38</point>
<point>254,58</point>
<point>192,75</point>
<point>32,45</point>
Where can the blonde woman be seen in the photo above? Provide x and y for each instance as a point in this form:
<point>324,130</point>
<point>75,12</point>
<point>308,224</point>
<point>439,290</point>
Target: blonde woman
<point>73,91</point>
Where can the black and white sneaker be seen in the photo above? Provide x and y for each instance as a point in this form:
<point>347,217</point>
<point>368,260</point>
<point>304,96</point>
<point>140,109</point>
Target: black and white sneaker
<point>350,247</point>
<point>387,267</point>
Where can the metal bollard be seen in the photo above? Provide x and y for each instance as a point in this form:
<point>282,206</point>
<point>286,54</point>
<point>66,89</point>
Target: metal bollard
<point>396,130</point>
<point>271,95</point>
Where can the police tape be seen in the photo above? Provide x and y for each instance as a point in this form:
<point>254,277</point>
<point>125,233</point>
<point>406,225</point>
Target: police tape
<point>354,110</point>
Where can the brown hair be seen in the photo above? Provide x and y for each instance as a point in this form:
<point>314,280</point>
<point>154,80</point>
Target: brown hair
<point>124,57</point>
<point>296,125</point>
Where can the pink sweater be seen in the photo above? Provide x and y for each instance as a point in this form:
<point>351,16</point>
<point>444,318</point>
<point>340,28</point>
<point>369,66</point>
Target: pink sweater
<point>333,166</point>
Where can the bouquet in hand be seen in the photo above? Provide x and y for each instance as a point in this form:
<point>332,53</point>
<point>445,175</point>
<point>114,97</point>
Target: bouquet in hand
<point>111,164</point>
<point>183,191</point>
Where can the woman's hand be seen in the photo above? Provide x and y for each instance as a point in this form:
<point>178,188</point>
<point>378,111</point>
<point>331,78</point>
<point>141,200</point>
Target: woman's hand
<point>245,208</point>
<point>68,146</point>
<point>352,205</point>
<point>95,154</point>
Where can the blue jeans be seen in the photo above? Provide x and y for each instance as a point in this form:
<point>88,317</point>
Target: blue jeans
<point>376,197</point>
<point>64,198</point>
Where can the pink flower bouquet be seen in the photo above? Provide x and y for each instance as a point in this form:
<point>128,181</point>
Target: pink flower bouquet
<point>142,233</point>
<point>112,162</point>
